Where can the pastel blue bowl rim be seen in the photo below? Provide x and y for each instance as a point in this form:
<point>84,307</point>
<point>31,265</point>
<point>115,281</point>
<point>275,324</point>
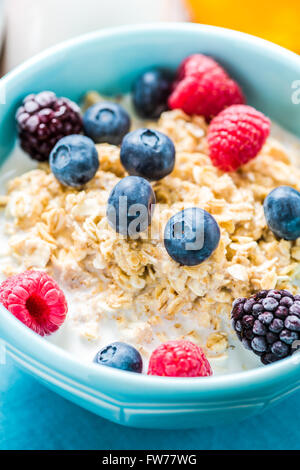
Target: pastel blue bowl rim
<point>56,359</point>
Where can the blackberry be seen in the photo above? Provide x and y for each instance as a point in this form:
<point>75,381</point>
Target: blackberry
<point>43,119</point>
<point>268,323</point>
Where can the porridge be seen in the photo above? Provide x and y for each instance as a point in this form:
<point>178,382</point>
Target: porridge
<point>130,289</point>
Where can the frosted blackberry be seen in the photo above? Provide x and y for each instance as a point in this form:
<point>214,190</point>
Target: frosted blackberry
<point>43,119</point>
<point>268,323</point>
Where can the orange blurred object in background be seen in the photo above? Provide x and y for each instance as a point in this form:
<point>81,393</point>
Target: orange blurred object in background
<point>275,20</point>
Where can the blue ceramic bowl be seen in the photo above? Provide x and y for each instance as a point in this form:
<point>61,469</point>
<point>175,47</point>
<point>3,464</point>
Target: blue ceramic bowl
<point>109,61</point>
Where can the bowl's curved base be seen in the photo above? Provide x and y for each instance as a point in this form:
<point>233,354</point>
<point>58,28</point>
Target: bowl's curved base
<point>154,416</point>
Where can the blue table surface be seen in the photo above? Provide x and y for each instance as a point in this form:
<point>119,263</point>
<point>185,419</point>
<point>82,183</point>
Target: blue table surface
<point>32,417</point>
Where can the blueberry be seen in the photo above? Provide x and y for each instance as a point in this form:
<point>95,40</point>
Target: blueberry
<point>74,160</point>
<point>129,206</point>
<point>191,236</point>
<point>150,93</point>
<point>120,356</point>
<point>106,122</point>
<point>282,212</point>
<point>148,153</point>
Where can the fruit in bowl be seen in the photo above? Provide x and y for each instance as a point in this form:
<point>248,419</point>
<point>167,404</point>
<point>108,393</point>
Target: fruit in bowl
<point>153,229</point>
<point>99,228</point>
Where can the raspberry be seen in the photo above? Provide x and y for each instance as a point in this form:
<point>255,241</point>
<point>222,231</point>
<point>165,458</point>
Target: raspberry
<point>36,300</point>
<point>199,65</point>
<point>236,136</point>
<point>43,119</point>
<point>179,359</point>
<point>203,87</point>
<point>268,323</point>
